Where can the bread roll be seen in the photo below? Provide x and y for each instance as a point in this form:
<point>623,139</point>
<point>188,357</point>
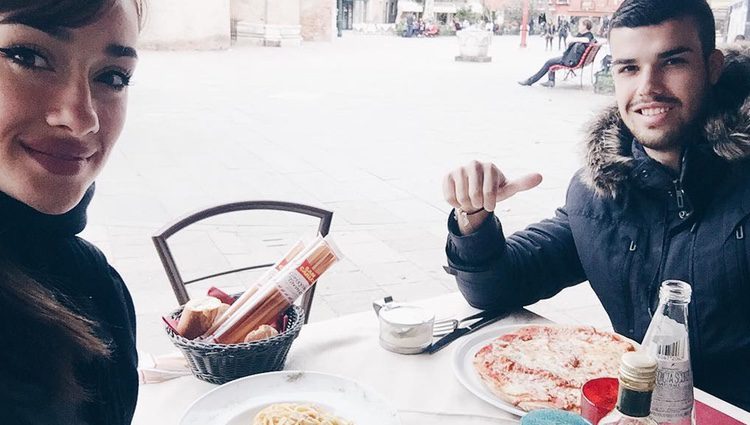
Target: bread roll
<point>197,316</point>
<point>262,332</point>
<point>222,309</point>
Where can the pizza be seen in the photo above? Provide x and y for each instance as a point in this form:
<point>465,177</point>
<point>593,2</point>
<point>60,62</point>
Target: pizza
<point>545,366</point>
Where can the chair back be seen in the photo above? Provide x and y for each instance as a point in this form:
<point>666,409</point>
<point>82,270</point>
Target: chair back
<point>590,55</point>
<point>176,279</point>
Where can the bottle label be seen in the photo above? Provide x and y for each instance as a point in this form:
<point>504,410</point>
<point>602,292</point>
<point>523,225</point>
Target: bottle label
<point>672,401</point>
<point>675,350</point>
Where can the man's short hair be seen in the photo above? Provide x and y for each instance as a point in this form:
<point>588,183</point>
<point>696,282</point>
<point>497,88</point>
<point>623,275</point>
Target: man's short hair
<point>587,23</point>
<point>641,13</point>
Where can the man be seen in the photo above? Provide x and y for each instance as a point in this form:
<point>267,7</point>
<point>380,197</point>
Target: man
<point>663,194</point>
<point>409,31</point>
<point>571,56</point>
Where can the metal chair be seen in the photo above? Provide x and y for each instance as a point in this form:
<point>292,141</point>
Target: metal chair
<point>168,260</point>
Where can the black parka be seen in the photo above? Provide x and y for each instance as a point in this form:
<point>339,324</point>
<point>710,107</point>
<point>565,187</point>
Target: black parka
<point>628,224</point>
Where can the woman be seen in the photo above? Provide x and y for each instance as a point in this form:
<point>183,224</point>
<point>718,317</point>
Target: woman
<point>65,315</point>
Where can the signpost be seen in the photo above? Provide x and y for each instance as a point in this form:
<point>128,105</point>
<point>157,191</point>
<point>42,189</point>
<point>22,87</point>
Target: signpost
<point>339,17</point>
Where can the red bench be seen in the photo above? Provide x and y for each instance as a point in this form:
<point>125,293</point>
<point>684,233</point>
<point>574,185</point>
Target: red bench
<point>587,58</point>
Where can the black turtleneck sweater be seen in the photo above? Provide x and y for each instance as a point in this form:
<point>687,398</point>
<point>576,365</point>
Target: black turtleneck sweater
<point>47,249</point>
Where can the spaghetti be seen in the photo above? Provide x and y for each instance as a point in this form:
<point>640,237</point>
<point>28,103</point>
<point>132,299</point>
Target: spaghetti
<point>296,414</point>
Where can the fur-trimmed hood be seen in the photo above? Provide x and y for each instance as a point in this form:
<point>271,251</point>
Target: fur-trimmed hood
<point>608,161</point>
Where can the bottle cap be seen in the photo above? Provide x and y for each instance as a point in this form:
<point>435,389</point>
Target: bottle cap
<point>638,371</point>
<point>675,290</point>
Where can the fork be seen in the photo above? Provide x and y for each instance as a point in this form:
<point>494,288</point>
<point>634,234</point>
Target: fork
<point>446,326</point>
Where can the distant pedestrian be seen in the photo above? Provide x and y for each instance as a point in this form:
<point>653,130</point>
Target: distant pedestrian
<point>409,25</point>
<point>549,36</point>
<point>562,35</point>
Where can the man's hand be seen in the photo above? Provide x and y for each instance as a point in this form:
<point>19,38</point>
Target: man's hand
<point>477,187</point>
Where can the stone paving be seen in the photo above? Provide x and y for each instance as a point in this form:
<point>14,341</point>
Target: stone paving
<point>364,126</point>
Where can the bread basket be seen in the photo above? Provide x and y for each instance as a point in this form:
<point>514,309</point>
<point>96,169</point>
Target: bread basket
<point>220,363</point>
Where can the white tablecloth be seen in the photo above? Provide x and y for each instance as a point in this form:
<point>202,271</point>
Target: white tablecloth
<point>421,387</point>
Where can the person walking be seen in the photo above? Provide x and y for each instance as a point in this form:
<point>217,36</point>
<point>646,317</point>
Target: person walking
<point>562,35</point>
<point>549,36</point>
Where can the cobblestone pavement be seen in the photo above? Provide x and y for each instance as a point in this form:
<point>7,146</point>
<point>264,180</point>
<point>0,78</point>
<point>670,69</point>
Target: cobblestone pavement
<point>364,126</point>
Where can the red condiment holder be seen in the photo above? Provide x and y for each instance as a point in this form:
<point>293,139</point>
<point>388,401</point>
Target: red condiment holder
<point>598,398</point>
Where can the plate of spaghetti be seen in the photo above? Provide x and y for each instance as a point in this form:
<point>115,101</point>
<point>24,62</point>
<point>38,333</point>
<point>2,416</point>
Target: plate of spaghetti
<point>291,398</point>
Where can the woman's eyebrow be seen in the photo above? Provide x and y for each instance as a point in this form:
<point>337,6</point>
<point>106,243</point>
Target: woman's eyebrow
<point>115,50</point>
<point>60,33</point>
<point>119,51</point>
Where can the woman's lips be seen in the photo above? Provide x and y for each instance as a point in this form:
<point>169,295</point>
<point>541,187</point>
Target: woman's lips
<point>60,163</point>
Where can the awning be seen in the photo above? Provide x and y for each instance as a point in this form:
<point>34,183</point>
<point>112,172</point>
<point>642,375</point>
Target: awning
<point>443,7</point>
<point>410,6</point>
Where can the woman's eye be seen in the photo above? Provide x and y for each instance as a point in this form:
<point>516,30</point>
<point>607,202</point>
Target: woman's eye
<point>26,57</point>
<point>115,79</point>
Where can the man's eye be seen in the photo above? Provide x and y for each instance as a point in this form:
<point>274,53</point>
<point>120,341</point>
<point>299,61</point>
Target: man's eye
<point>26,57</point>
<point>115,79</point>
<point>628,69</point>
<point>675,61</point>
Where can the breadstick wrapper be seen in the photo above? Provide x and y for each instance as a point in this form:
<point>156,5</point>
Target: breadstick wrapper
<point>281,292</point>
<point>293,252</point>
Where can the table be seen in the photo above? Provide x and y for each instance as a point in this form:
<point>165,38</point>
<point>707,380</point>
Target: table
<point>421,387</point>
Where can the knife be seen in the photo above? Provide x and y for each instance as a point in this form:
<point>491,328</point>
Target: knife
<point>489,318</point>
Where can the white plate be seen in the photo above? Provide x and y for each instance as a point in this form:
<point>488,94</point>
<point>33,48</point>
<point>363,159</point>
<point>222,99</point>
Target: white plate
<point>463,364</point>
<point>237,402</point>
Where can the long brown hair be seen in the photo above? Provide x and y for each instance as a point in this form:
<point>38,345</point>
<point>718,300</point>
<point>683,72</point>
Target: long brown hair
<point>45,332</point>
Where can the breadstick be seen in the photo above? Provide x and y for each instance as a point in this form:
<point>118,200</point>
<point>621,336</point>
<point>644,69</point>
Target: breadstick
<point>270,273</point>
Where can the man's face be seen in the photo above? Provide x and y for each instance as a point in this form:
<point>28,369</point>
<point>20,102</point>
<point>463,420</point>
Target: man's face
<point>661,80</point>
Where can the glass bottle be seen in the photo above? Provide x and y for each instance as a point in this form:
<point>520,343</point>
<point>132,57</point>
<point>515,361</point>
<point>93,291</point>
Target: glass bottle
<point>637,378</point>
<point>667,340</point>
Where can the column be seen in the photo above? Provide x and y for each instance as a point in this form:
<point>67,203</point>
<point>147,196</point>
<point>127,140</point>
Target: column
<point>268,22</point>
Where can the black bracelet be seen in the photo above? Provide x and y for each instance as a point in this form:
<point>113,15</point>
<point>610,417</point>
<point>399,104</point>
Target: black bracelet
<point>466,213</point>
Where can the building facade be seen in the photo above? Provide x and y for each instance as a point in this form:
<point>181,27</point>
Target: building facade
<point>737,21</point>
<point>214,24</point>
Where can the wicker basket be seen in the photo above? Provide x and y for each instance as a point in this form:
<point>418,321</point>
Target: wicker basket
<point>220,363</point>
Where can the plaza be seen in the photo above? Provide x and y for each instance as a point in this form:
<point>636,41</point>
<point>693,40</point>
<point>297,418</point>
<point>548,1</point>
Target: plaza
<point>364,126</point>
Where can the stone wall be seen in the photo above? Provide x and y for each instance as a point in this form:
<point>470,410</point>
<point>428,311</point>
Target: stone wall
<point>248,10</point>
<point>186,24</point>
<point>317,18</point>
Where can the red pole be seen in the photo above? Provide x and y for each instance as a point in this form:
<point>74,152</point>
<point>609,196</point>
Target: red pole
<point>525,23</point>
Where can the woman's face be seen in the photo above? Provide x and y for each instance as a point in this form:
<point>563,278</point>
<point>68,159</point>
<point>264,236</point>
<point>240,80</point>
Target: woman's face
<point>63,98</point>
